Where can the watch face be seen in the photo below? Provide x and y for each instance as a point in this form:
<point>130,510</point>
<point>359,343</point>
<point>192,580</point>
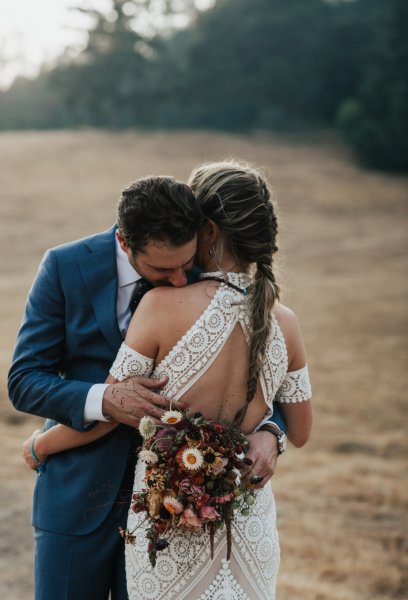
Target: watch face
<point>282,443</point>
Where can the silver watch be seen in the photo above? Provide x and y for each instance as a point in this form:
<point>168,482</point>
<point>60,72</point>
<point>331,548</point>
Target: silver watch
<point>277,431</point>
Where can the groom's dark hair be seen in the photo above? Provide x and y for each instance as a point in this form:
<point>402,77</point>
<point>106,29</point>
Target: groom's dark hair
<point>158,208</point>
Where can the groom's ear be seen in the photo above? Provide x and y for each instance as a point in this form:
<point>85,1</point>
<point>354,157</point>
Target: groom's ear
<point>121,241</point>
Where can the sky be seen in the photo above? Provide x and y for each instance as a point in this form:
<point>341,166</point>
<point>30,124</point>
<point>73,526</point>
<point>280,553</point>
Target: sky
<point>35,32</point>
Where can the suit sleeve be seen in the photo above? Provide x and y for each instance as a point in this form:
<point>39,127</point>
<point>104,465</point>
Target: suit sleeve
<point>35,382</point>
<point>278,418</point>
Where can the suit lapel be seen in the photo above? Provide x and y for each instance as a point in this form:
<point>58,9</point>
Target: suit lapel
<point>98,268</point>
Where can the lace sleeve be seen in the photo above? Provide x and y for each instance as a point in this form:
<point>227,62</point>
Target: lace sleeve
<point>129,362</point>
<point>295,387</point>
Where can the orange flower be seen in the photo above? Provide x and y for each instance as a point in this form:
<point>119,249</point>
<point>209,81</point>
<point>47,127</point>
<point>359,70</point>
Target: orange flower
<point>171,417</point>
<point>189,459</point>
<point>172,505</point>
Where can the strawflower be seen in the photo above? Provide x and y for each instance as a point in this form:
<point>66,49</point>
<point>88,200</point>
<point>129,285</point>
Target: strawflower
<point>192,459</point>
<point>171,417</point>
<point>148,456</point>
<point>172,505</point>
<point>147,428</point>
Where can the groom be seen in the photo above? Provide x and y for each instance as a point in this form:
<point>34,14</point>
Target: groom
<point>75,319</point>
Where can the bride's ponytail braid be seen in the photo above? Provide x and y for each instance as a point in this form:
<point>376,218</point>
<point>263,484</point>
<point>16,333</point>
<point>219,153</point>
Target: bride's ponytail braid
<point>264,293</point>
<point>235,196</point>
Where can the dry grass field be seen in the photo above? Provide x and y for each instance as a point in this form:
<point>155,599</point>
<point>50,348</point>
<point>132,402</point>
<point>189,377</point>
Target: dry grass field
<point>342,500</point>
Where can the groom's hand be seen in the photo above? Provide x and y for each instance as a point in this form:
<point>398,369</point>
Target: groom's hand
<point>130,400</point>
<point>263,451</point>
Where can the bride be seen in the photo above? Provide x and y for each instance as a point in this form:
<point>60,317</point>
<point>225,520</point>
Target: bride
<point>229,348</point>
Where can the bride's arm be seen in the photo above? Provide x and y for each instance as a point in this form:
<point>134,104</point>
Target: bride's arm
<point>296,404</point>
<point>43,444</point>
<point>60,438</point>
<point>142,336</point>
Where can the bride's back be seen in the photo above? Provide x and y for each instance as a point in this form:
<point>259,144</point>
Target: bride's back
<point>217,387</point>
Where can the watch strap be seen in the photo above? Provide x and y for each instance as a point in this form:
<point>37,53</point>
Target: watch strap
<point>276,431</point>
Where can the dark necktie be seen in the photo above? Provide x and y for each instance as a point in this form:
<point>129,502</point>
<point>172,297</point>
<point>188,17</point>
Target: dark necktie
<point>142,286</point>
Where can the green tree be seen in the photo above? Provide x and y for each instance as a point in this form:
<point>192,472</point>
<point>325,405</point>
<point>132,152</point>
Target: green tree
<point>375,120</point>
<point>101,84</point>
<point>273,63</point>
<point>118,80</point>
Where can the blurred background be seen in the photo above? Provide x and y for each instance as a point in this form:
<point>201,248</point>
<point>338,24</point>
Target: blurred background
<point>95,94</point>
<point>232,65</point>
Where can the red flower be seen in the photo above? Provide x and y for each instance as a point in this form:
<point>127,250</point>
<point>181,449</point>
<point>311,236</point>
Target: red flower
<point>198,478</point>
<point>160,527</point>
<point>202,501</point>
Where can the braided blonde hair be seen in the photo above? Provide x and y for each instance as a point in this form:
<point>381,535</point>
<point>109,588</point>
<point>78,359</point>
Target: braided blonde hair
<point>236,197</point>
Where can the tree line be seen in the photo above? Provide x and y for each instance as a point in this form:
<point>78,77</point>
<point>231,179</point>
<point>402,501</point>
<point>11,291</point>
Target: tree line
<point>285,65</point>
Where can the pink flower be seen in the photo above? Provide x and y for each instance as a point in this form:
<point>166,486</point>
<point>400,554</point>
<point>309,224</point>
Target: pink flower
<point>217,467</point>
<point>223,499</point>
<point>189,489</point>
<point>189,519</point>
<point>208,513</point>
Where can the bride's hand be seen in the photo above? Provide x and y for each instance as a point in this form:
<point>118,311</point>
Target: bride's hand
<point>27,455</point>
<point>263,451</point>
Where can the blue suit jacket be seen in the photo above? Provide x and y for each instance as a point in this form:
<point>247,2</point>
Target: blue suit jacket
<point>67,342</point>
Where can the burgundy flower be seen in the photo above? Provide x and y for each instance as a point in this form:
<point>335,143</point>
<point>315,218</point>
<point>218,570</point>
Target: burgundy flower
<point>165,438</point>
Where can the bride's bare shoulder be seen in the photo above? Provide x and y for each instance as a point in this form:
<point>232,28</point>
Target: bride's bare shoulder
<point>168,296</point>
<point>159,314</point>
<point>161,300</point>
<point>168,303</point>
<point>284,315</point>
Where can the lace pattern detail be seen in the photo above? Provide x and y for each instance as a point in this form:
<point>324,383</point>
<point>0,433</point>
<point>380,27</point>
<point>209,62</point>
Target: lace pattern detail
<point>184,571</point>
<point>128,363</point>
<point>199,347</point>
<point>295,387</point>
<point>225,586</point>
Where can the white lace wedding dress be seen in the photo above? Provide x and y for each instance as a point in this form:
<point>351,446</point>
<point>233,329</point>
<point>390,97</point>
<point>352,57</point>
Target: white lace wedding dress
<point>185,571</point>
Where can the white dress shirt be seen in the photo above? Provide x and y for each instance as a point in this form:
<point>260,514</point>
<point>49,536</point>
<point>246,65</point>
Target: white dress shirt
<point>127,278</point>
